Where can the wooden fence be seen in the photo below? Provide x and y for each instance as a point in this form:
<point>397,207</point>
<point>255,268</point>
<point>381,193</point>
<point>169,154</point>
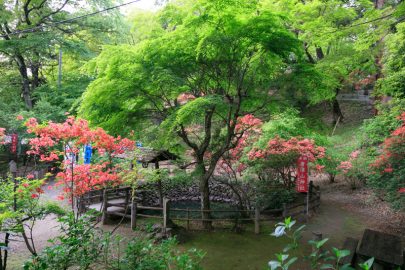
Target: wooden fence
<point>132,210</point>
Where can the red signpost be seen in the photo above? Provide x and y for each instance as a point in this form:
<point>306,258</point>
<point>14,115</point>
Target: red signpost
<point>14,143</point>
<point>302,174</point>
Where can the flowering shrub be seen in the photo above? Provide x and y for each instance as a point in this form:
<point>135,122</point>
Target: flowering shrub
<point>354,169</point>
<point>389,167</point>
<point>21,207</point>
<point>56,140</point>
<point>87,177</point>
<point>249,129</point>
<point>2,132</point>
<point>264,173</point>
<point>281,156</point>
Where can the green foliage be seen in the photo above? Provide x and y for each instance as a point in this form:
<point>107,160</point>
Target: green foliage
<point>376,129</point>
<point>79,245</point>
<point>269,195</point>
<point>82,245</point>
<point>141,83</point>
<point>319,258</point>
<point>393,84</point>
<point>20,208</point>
<point>143,254</point>
<point>28,208</point>
<point>30,44</point>
<point>288,124</point>
<point>333,49</point>
<point>389,167</point>
<point>332,161</point>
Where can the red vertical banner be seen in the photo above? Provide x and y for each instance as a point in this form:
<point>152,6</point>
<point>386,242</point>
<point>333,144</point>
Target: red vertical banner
<point>302,174</point>
<point>14,143</point>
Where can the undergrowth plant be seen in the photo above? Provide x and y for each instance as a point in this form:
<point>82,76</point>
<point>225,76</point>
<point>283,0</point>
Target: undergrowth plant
<point>319,258</point>
<point>82,245</point>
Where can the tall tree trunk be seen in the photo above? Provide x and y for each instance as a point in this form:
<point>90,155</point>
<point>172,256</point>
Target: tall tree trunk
<point>379,4</point>
<point>26,91</point>
<point>337,112</point>
<point>319,53</point>
<point>35,75</point>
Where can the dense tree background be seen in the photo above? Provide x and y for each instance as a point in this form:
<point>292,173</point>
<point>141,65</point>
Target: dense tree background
<point>181,77</point>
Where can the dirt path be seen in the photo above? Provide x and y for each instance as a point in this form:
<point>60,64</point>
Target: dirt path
<point>363,203</point>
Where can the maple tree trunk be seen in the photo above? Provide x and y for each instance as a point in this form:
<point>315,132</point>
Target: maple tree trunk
<point>26,91</point>
<point>379,4</point>
<point>319,53</point>
<point>337,112</point>
<point>26,94</point>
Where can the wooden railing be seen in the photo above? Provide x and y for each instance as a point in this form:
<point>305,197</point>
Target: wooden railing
<point>133,210</point>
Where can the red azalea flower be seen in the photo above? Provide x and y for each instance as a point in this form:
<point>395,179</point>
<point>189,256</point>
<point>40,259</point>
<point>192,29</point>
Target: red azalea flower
<point>34,196</point>
<point>388,170</point>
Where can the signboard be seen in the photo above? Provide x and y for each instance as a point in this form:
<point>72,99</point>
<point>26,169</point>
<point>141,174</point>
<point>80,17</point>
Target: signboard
<point>302,174</point>
<point>88,151</point>
<point>14,143</point>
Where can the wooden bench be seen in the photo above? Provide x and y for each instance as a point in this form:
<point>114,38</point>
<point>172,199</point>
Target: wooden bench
<point>351,245</point>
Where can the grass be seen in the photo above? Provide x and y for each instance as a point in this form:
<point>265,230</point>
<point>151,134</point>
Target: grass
<point>227,250</point>
<point>235,251</point>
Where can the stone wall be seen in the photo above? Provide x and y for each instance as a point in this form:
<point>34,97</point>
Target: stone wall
<point>218,193</point>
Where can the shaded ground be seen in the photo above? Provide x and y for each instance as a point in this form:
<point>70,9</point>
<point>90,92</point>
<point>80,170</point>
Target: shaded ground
<point>226,250</point>
<point>343,213</point>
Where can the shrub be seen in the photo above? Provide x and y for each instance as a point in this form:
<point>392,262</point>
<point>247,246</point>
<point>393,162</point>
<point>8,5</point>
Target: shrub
<point>81,245</point>
<point>375,130</point>
<point>319,258</point>
<point>389,168</point>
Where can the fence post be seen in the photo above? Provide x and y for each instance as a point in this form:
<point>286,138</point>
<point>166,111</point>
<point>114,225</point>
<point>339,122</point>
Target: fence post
<point>307,206</point>
<point>133,214</point>
<point>311,188</point>
<point>127,191</point>
<point>188,219</point>
<point>316,236</point>
<point>236,222</point>
<point>166,216</point>
<point>105,206</point>
<point>257,221</point>
<point>285,210</point>
<point>82,205</point>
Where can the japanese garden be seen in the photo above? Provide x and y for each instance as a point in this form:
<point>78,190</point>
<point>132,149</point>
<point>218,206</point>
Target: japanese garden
<point>202,134</point>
